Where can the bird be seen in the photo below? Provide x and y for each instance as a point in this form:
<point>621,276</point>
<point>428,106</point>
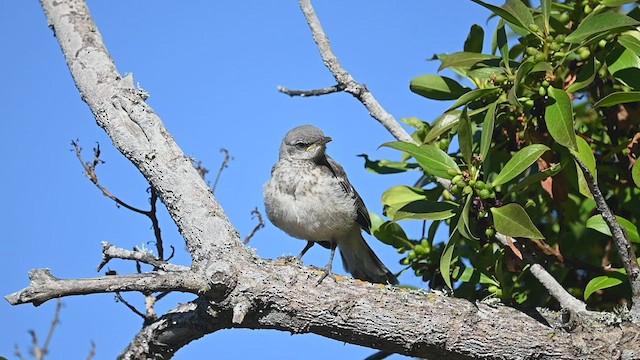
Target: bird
<point>309,197</point>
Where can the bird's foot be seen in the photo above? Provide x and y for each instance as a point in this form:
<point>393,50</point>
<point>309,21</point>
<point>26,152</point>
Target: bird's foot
<point>327,272</point>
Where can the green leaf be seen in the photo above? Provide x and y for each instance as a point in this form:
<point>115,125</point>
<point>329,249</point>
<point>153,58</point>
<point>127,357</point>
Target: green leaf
<point>602,282</point>
<point>487,130</point>
<point>464,59</point>
<point>471,275</point>
<point>465,137</point>
<point>445,263</point>
<point>432,160</point>
<point>635,173</point>
<point>597,223</point>
<point>585,155</point>
<point>513,11</point>
<point>546,14</point>
<point>600,24</point>
<point>630,42</point>
<point>503,44</point>
<point>523,70</point>
<point>442,124</point>
<point>392,234</point>
<point>616,3</point>
<point>559,118</point>
<point>399,196</point>
<point>624,65</point>
<point>386,166</point>
<point>463,225</point>
<point>426,210</point>
<point>618,98</point>
<point>475,39</point>
<point>519,163</point>
<point>474,95</point>
<point>539,176</point>
<point>585,77</point>
<point>437,87</point>
<point>512,220</point>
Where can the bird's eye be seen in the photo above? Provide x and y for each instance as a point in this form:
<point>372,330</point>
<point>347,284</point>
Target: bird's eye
<point>301,145</point>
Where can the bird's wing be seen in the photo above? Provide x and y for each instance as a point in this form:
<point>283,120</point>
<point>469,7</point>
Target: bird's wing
<point>362,212</point>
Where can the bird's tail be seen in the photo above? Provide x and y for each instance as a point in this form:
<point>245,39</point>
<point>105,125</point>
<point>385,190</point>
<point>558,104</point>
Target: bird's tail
<point>359,260</point>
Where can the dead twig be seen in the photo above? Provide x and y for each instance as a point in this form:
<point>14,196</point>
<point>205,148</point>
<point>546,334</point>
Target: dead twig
<point>255,214</point>
<point>225,164</point>
<point>317,92</point>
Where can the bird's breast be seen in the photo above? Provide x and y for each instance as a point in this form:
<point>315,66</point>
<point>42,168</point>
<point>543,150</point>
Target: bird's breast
<point>308,203</point>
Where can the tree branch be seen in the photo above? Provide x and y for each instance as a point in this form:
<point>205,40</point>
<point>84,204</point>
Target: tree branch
<point>566,300</point>
<point>44,286</point>
<point>409,322</point>
<point>346,81</point>
<point>620,237</point>
<point>306,93</point>
<point>113,252</point>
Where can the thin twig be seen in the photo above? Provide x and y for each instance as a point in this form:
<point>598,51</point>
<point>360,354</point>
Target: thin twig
<point>225,164</point>
<point>90,172</point>
<point>39,352</point>
<point>131,307</point>
<point>36,350</point>
<point>346,81</point>
<point>152,214</point>
<point>255,214</point>
<point>54,323</point>
<point>306,93</point>
<point>110,251</point>
<point>92,352</point>
<point>620,237</point>
<point>566,300</point>
<point>18,353</point>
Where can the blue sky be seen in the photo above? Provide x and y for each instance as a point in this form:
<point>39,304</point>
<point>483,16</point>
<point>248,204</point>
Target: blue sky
<point>212,69</point>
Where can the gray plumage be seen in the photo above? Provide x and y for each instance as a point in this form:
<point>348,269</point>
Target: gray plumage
<point>309,197</point>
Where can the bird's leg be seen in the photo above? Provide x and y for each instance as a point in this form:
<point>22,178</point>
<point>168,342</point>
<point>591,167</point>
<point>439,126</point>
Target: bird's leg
<point>328,268</point>
<point>306,248</point>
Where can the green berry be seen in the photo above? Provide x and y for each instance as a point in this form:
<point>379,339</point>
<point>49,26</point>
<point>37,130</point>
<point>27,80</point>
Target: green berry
<point>456,179</point>
<point>542,91</point>
<point>534,27</point>
<point>490,232</point>
<point>531,51</point>
<point>467,190</point>
<point>484,194</point>
<point>584,53</point>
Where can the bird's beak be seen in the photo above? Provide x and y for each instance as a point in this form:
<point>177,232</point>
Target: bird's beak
<point>322,142</point>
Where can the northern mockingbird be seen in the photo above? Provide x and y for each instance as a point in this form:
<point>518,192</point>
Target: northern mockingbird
<point>310,198</point>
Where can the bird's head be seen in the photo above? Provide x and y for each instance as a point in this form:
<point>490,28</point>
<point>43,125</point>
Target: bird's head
<point>304,142</point>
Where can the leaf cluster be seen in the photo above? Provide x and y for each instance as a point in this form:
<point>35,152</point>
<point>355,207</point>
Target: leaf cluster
<point>560,81</point>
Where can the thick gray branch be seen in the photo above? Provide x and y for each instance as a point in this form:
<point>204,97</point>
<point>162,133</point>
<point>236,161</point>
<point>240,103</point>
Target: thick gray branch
<point>620,237</point>
<point>139,134</point>
<point>44,286</point>
<point>415,323</point>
